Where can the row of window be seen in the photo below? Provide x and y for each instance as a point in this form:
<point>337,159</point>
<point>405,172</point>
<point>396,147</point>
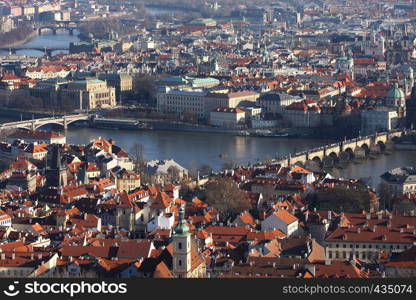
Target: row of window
<point>5,223</point>
<point>101,95</point>
<point>370,246</point>
<point>349,255</point>
<point>185,103</point>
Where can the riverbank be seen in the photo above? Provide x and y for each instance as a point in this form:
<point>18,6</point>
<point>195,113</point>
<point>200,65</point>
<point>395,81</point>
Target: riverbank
<point>19,42</point>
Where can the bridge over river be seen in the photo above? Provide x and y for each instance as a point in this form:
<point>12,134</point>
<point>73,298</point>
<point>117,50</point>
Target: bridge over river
<point>345,150</point>
<point>34,124</point>
<point>326,155</point>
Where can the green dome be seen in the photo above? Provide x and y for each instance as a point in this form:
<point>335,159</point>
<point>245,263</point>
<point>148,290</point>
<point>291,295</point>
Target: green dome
<point>395,92</point>
<point>181,228</point>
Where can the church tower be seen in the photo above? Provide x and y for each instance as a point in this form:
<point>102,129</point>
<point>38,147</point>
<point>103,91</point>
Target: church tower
<point>56,172</point>
<point>411,109</point>
<point>181,247</point>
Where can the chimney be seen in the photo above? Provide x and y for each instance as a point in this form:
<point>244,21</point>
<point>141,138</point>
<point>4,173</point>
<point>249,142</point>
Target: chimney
<point>329,215</point>
<point>3,256</point>
<point>368,216</point>
<point>13,255</point>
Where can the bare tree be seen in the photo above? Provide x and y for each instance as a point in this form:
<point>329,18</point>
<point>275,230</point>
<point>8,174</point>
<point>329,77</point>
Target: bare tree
<point>193,169</point>
<point>137,154</point>
<point>205,170</point>
<point>174,173</point>
<point>228,165</point>
<point>385,195</point>
<point>225,196</point>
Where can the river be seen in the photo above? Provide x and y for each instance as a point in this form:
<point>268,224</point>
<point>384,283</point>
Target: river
<point>47,39</point>
<point>62,38</point>
<point>189,148</point>
<point>195,149</point>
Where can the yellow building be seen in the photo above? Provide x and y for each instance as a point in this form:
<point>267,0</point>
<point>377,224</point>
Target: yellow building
<point>128,181</point>
<point>88,93</point>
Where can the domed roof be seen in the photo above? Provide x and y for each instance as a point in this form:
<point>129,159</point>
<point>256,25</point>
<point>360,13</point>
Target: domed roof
<point>395,92</point>
<point>181,228</point>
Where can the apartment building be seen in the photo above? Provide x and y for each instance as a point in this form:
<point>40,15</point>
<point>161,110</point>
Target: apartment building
<point>199,102</point>
<point>365,236</point>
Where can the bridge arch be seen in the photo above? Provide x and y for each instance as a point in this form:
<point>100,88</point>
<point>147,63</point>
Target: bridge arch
<point>41,30</point>
<point>347,154</point>
<point>54,29</point>
<point>27,128</point>
<point>317,159</point>
<point>58,122</point>
<point>299,163</point>
<point>37,126</point>
<point>333,155</point>
<point>381,146</point>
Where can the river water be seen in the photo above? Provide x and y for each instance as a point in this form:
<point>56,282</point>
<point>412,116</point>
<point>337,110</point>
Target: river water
<point>47,39</point>
<point>195,149</point>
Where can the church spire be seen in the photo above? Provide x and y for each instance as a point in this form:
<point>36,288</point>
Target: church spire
<point>181,228</point>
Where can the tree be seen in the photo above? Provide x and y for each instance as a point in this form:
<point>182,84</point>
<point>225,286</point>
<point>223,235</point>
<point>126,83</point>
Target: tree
<point>225,196</point>
<point>25,102</point>
<point>342,199</point>
<point>385,195</point>
<point>137,154</point>
<point>205,170</point>
<point>174,173</point>
<point>228,165</point>
<point>144,88</point>
<point>193,169</point>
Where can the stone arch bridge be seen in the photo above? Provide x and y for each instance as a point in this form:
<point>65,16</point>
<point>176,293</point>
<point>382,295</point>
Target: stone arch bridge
<point>342,151</point>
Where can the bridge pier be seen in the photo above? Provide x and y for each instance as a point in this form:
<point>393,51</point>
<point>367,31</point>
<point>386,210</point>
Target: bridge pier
<point>360,153</point>
<point>65,123</point>
<point>48,52</point>
<point>345,156</point>
<point>328,162</point>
